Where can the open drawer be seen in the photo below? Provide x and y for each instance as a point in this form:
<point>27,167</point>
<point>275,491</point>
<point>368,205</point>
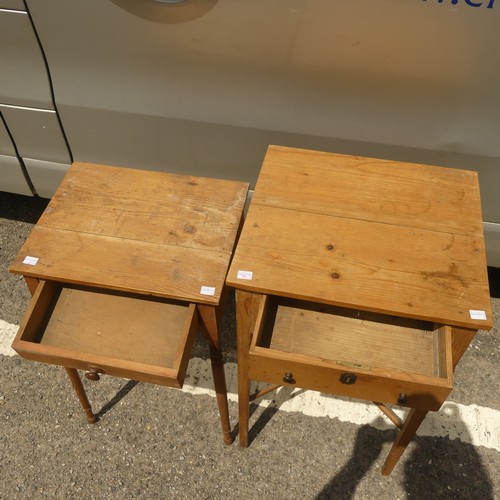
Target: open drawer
<point>131,336</point>
<point>351,353</point>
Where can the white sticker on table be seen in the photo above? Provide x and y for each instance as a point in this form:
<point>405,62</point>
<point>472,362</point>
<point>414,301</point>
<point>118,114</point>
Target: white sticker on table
<point>30,260</point>
<point>245,275</point>
<point>476,314</point>
<point>207,290</point>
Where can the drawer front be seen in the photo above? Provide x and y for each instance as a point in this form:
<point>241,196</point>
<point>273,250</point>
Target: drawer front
<point>110,333</point>
<point>102,365</point>
<point>386,387</point>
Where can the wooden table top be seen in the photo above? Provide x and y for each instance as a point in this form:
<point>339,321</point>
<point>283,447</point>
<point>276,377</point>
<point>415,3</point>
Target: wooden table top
<point>377,235</point>
<point>137,231</point>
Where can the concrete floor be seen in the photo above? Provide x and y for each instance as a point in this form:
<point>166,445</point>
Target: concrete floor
<point>155,442</point>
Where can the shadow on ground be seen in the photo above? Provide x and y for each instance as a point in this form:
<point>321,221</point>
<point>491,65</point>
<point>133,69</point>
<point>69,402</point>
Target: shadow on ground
<point>436,467</point>
<point>21,208</point>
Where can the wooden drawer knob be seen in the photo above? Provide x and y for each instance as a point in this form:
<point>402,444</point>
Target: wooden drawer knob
<point>93,374</point>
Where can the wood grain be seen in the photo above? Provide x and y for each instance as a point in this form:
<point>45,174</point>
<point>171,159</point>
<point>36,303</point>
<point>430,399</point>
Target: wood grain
<point>138,231</point>
<point>373,385</point>
<point>317,343</point>
<point>382,191</point>
<point>391,269</point>
<point>121,326</point>
<point>354,341</point>
<point>353,235</point>
<point>155,207</point>
<point>128,265</point>
<point>145,339</point>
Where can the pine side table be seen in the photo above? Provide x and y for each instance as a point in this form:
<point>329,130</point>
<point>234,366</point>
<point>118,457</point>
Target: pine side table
<point>359,277</point>
<point>125,266</point>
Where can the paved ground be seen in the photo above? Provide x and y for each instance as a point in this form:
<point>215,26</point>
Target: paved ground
<point>154,442</point>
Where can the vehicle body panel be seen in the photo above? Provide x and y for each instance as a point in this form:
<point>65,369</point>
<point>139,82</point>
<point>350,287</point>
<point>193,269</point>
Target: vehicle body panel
<point>204,87</point>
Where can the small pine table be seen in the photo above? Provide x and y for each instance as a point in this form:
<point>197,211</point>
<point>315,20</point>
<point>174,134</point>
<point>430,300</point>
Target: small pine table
<point>125,266</point>
<point>359,277</point>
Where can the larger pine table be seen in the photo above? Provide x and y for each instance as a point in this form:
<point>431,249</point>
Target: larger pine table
<point>125,266</point>
<point>359,277</point>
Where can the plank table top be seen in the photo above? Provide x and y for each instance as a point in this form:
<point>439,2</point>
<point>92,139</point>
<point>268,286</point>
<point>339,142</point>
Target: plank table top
<point>137,231</point>
<point>377,235</point>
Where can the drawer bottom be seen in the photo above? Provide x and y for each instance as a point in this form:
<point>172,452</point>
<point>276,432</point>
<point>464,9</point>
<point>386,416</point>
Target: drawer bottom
<point>137,337</point>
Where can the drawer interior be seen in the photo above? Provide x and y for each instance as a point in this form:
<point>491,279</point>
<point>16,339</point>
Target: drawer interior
<point>358,339</point>
<point>106,327</point>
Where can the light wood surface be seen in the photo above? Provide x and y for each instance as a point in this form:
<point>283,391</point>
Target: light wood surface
<point>247,310</point>
<point>377,384</point>
<point>122,264</point>
<point>382,191</point>
<point>302,240</point>
<point>405,435</point>
<point>146,339</point>
<point>133,235</point>
<point>316,345</point>
<point>354,338</point>
<point>393,256</point>
<point>125,327</point>
<point>76,382</point>
<point>139,231</point>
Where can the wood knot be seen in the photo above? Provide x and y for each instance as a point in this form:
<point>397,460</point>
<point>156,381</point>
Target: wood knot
<point>190,229</point>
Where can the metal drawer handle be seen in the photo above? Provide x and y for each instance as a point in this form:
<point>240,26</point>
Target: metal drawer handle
<point>348,378</point>
<point>288,378</point>
<point>403,398</point>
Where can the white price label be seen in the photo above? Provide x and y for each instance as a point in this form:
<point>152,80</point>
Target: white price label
<point>475,314</point>
<point>245,275</point>
<point>30,260</point>
<point>207,290</point>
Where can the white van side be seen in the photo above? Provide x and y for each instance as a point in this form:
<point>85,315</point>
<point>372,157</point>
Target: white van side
<point>204,86</point>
